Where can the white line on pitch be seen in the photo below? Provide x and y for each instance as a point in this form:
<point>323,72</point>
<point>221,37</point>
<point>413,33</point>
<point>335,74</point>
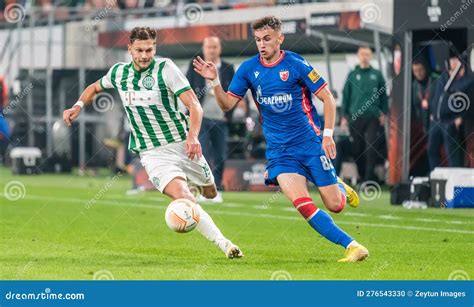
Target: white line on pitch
<point>389,217</point>
<point>263,215</point>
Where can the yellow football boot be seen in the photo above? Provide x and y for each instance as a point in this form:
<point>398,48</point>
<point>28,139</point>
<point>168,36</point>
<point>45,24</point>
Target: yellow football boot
<point>351,195</point>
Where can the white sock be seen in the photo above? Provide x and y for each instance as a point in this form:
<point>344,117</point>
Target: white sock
<point>354,242</point>
<point>209,230</point>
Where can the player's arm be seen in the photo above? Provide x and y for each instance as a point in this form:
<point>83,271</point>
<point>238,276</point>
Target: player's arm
<point>208,70</point>
<point>86,98</point>
<point>327,98</point>
<point>189,99</point>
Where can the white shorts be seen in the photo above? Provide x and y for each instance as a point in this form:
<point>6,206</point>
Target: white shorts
<point>164,163</point>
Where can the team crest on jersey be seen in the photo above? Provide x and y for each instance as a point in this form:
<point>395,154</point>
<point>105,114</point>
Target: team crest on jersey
<point>284,74</point>
<point>148,82</point>
<point>313,76</point>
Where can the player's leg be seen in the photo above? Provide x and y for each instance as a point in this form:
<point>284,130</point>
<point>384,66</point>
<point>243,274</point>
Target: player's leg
<point>178,188</point>
<point>166,172</point>
<point>334,197</point>
<point>198,173</point>
<point>203,193</point>
<point>332,189</point>
<point>209,191</point>
<point>294,187</point>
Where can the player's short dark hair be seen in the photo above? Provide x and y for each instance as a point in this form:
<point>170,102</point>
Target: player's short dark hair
<point>142,33</point>
<point>271,21</point>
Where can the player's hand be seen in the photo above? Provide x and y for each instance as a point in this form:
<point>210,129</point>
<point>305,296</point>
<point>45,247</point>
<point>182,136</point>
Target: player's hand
<point>71,114</point>
<point>193,147</point>
<point>207,70</point>
<point>329,147</point>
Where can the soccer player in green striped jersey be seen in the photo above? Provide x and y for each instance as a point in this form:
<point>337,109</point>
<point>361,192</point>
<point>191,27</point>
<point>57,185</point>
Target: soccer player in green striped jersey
<point>166,139</point>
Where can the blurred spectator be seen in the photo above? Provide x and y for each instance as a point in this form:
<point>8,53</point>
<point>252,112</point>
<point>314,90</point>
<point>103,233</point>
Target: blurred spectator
<point>448,110</point>
<point>214,129</point>
<point>422,92</point>
<point>5,133</point>
<point>127,4</point>
<point>3,93</point>
<point>468,119</point>
<point>364,105</point>
<point>423,86</point>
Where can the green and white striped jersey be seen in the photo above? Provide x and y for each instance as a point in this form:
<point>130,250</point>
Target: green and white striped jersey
<point>150,99</point>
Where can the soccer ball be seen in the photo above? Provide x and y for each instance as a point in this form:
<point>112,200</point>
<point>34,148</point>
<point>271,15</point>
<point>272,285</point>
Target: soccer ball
<point>182,215</point>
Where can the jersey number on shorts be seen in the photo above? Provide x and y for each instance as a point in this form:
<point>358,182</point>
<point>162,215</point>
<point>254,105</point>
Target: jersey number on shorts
<point>327,165</point>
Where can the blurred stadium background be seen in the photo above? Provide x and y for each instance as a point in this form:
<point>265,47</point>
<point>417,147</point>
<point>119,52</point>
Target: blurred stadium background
<point>51,50</point>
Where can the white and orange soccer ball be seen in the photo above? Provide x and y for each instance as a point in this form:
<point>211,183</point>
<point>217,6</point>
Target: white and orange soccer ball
<point>182,215</point>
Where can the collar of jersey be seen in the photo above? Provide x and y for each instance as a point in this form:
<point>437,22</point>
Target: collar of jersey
<point>282,55</point>
<point>152,64</point>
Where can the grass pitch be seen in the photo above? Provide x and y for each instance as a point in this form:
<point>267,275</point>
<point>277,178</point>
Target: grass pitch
<point>70,227</point>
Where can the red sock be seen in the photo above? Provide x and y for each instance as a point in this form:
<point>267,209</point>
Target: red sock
<point>306,207</point>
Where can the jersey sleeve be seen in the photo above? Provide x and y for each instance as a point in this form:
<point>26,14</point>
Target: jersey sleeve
<point>174,78</point>
<point>106,81</point>
<point>310,77</point>
<point>239,84</point>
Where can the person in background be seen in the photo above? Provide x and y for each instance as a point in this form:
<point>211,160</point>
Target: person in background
<point>423,87</point>
<point>364,105</point>
<point>468,122</point>
<point>5,132</point>
<point>447,112</point>
<point>214,129</point>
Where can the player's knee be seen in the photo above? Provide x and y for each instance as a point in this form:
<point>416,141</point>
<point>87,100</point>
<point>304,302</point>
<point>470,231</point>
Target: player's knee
<point>335,204</point>
<point>182,192</point>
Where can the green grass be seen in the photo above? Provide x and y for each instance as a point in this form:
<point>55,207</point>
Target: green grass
<point>69,227</point>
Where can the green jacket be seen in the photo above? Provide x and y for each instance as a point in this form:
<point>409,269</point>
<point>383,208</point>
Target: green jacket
<point>364,94</point>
